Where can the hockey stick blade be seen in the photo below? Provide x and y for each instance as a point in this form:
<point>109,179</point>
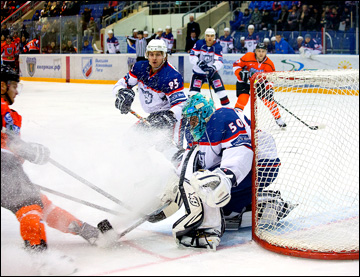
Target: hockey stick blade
<point>97,49</point>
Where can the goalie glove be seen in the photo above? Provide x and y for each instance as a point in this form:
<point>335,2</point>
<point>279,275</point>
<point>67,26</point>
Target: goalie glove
<point>214,187</point>
<point>124,99</point>
<point>162,119</point>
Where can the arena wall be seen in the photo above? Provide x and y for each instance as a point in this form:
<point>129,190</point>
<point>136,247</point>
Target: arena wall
<point>108,69</point>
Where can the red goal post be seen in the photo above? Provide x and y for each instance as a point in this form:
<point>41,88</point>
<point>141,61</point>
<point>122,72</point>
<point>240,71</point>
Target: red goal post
<point>319,168</point>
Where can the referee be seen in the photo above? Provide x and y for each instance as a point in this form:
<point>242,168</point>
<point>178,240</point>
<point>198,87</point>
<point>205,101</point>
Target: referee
<point>140,44</point>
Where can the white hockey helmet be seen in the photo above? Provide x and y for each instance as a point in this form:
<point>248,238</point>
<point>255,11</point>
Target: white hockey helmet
<point>273,38</point>
<point>266,40</point>
<point>156,45</point>
<point>227,29</point>
<point>242,38</point>
<point>110,32</point>
<point>251,27</point>
<point>210,31</point>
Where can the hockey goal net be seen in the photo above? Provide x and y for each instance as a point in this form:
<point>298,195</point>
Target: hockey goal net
<point>318,167</point>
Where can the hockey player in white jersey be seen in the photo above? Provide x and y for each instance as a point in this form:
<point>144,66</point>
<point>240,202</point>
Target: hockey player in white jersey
<point>160,88</point>
<point>218,179</point>
<point>206,56</point>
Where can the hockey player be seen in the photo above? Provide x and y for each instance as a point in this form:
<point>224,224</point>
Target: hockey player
<point>9,52</point>
<point>226,41</point>
<point>252,39</point>
<point>206,56</point>
<point>310,47</point>
<point>168,38</point>
<point>218,175</point>
<point>244,68</point>
<point>113,46</point>
<point>18,193</point>
<point>160,88</point>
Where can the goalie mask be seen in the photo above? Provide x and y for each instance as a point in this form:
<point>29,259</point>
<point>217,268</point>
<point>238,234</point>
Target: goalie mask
<point>198,111</point>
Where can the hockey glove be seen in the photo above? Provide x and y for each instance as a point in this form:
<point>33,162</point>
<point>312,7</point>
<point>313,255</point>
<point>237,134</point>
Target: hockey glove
<point>34,152</point>
<point>162,119</point>
<point>213,187</point>
<point>124,99</point>
<point>117,52</point>
<point>202,64</point>
<point>210,70</point>
<point>244,76</point>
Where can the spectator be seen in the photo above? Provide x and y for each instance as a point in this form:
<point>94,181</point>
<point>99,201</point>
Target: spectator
<point>69,48</point>
<point>245,20</point>
<point>256,19</point>
<point>87,48</point>
<point>193,26</point>
<point>293,19</point>
<point>345,19</point>
<point>235,24</point>
<point>276,8</point>
<point>325,17</point>
<point>226,41</point>
<point>298,44</point>
<point>36,16</point>
<point>252,39</point>
<point>282,46</point>
<point>160,32</point>
<point>267,21</point>
<point>281,22</point>
<point>304,17</point>
<point>334,19</point>
<point>2,39</point>
<point>23,42</point>
<point>24,32</point>
<point>91,30</point>
<point>86,15</point>
<point>314,20</point>
<point>4,30</point>
<point>270,47</point>
<point>190,42</point>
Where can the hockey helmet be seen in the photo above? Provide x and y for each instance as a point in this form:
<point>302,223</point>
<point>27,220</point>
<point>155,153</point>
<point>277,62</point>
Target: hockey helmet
<point>198,106</point>
<point>261,45</point>
<point>9,74</point>
<point>210,31</point>
<point>156,45</point>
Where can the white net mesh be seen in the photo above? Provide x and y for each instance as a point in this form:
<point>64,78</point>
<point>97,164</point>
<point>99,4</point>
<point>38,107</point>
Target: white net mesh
<point>319,169</point>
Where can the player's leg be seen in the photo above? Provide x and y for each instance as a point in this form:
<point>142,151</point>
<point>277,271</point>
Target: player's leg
<point>20,197</point>
<point>65,222</point>
<point>266,93</point>
<point>242,94</point>
<point>196,83</point>
<point>219,88</point>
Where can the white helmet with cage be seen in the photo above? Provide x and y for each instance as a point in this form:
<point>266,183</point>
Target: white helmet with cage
<point>156,45</point>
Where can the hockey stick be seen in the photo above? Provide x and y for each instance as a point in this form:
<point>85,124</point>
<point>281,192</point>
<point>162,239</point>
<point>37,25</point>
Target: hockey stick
<point>105,226</point>
<point>316,127</point>
<point>78,200</point>
<point>97,49</point>
<point>82,180</point>
<point>210,91</point>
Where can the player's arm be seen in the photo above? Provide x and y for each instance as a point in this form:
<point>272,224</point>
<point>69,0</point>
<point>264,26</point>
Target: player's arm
<point>194,54</point>
<point>238,68</point>
<point>218,58</point>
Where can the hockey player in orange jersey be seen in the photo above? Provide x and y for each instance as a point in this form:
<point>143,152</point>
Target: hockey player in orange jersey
<point>18,193</point>
<point>244,68</point>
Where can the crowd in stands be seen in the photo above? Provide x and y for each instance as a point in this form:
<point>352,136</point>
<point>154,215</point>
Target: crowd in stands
<point>294,16</point>
<point>8,7</point>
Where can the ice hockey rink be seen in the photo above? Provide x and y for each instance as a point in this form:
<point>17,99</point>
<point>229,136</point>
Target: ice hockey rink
<point>88,135</point>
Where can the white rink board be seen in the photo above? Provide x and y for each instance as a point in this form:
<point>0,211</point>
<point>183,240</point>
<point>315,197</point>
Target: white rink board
<point>115,66</point>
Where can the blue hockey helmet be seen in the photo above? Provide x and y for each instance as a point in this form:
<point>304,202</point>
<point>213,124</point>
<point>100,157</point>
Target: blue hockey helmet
<point>197,106</point>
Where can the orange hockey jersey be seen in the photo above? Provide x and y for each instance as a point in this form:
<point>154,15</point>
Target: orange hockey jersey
<point>8,51</point>
<point>11,120</point>
<point>248,62</point>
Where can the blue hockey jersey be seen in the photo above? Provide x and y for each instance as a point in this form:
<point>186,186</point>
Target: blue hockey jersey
<point>211,55</point>
<point>227,44</point>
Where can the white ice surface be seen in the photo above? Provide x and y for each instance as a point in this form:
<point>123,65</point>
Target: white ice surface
<point>86,134</point>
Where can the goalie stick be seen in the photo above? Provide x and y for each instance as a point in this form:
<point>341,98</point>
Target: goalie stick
<point>315,127</point>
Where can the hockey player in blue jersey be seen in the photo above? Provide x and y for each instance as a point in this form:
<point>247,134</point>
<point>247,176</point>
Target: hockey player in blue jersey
<point>218,176</point>
<point>206,56</point>
<point>113,46</point>
<point>160,88</point>
<point>226,41</point>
